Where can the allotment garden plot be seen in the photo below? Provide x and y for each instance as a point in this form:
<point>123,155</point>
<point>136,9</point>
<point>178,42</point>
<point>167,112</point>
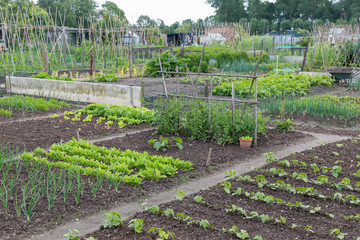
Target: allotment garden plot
<point>307,195</point>
<point>62,126</point>
<point>63,176</point>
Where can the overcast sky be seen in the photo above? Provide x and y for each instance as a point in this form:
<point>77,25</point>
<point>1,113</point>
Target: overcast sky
<point>168,10</point>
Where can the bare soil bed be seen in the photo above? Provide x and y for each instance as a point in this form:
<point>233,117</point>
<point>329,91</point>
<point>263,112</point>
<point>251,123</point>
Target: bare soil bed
<point>12,227</point>
<point>43,132</point>
<point>268,204</point>
<point>20,116</point>
<point>197,151</point>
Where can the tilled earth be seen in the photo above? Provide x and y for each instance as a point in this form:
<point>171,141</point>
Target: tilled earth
<point>42,132</point>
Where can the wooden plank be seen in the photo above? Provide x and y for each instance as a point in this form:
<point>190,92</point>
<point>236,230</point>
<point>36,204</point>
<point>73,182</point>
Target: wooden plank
<point>207,98</point>
<point>208,74</point>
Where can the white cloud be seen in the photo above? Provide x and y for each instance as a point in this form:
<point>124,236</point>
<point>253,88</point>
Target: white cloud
<point>168,10</point>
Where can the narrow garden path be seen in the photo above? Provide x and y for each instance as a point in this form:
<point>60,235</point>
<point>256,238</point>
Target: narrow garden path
<point>92,223</point>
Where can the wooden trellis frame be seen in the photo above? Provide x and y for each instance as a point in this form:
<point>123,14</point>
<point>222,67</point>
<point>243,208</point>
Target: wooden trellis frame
<point>210,97</point>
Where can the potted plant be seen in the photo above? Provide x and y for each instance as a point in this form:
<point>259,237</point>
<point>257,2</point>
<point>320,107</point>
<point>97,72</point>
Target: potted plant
<point>245,142</point>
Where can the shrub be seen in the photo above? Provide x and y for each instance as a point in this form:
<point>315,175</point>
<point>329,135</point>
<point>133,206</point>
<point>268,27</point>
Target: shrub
<point>105,77</point>
<point>285,126</point>
<point>45,75</point>
<point>221,54</point>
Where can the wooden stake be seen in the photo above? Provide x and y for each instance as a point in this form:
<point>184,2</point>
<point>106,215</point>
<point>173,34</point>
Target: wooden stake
<point>191,80</point>
<point>45,61</point>
<point>305,54</point>
<point>210,103</point>
<point>163,78</point>
<point>91,62</point>
<point>177,81</point>
<point>233,101</point>
<point>208,158</point>
<point>282,108</point>
<point>130,62</point>
<point>78,135</point>
<point>5,80</point>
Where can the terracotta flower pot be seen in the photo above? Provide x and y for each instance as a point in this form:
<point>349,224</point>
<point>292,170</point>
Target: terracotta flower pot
<point>245,143</point>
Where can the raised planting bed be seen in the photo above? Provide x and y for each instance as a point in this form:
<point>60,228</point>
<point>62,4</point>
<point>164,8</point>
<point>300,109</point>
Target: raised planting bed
<point>80,185</point>
<point>76,91</point>
<point>308,195</point>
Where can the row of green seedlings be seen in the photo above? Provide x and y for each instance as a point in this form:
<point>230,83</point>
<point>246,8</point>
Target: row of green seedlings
<point>53,178</point>
<point>239,233</point>
<point>113,219</point>
<point>260,196</point>
<point>26,104</point>
<point>344,108</point>
<point>111,113</point>
<point>113,164</point>
<point>310,191</point>
<point>251,214</point>
<point>304,191</point>
<point>25,184</point>
<point>320,180</point>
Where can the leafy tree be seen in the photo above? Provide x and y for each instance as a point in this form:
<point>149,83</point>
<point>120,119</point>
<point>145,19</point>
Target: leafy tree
<point>228,10</point>
<point>209,20</point>
<point>163,27</point>
<point>145,21</point>
<point>110,8</point>
<point>297,23</point>
<point>174,26</point>
<point>70,12</point>
<point>285,25</point>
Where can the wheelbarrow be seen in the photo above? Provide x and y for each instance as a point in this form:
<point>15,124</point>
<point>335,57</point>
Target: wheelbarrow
<point>343,73</point>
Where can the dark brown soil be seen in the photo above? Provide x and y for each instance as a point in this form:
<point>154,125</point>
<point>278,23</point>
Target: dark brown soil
<point>316,225</point>
<point>43,132</point>
<point>61,212</point>
<point>197,151</point>
<point>328,130</point>
<point>20,116</point>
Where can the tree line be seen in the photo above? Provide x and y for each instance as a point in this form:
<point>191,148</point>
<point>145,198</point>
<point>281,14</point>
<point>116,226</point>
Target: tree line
<point>280,15</point>
<point>262,16</point>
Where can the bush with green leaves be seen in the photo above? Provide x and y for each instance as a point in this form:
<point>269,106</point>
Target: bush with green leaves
<point>117,112</point>
<point>168,63</point>
<point>285,126</point>
<point>175,116</point>
<point>105,77</point>
<point>165,143</point>
<point>192,57</point>
<point>45,75</point>
<point>112,219</point>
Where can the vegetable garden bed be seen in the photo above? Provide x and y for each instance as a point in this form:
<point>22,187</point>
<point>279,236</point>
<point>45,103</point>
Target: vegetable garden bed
<point>106,195</point>
<point>45,131</point>
<point>19,107</point>
<point>308,195</point>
